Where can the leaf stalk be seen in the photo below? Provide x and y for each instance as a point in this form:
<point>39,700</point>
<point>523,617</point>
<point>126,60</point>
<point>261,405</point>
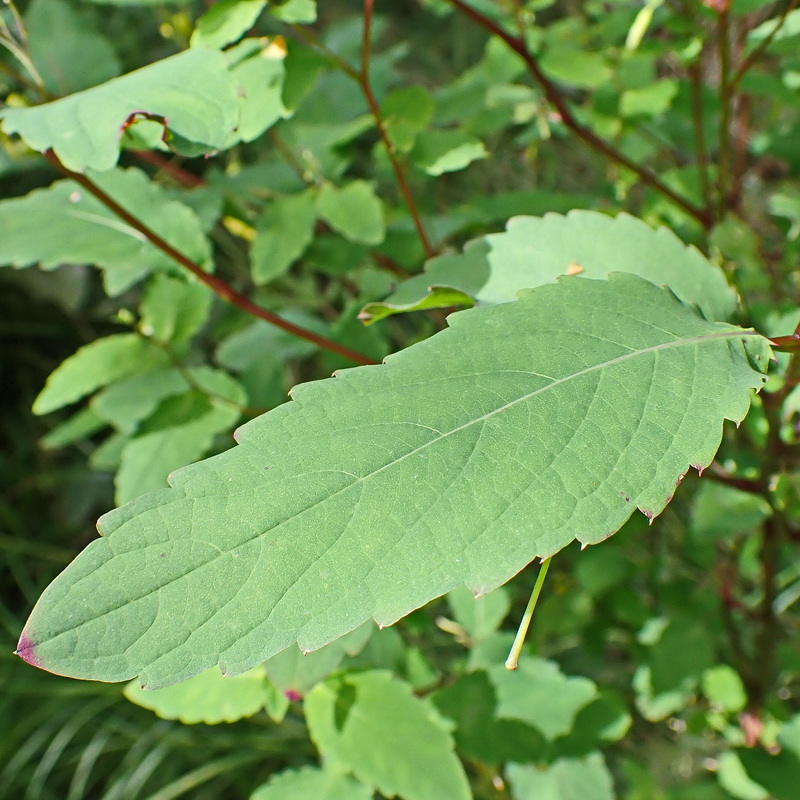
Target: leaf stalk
<point>512,662</point>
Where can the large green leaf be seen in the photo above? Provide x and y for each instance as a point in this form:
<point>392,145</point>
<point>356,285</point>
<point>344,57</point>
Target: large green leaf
<point>520,428</point>
<point>192,91</point>
<point>535,250</point>
<point>411,756</point>
<point>65,224</point>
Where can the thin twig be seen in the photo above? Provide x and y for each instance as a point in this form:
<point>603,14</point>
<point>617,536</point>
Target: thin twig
<point>701,151</point>
<point>182,176</point>
<point>317,44</point>
<point>362,78</point>
<point>222,289</point>
<point>369,95</point>
<point>726,94</point>
<point>585,133</point>
<point>762,46</point>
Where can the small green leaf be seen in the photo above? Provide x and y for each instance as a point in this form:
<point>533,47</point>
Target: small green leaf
<point>257,72</point>
<point>412,756</point>
<point>126,402</point>
<point>283,232</point>
<point>192,91</point>
<point>480,617</point>
<point>733,779</point>
<point>649,101</point>
<point>297,12</point>
<point>294,672</point>
<point>604,719</point>
<point>174,310</point>
<point>540,695</point>
<point>724,688</point>
<point>470,703</point>
<point>83,424</point>
<point>353,210</point>
<point>180,430</point>
<point>722,512</point>
<point>683,651</point>
<point>406,112</point>
<point>98,364</point>
<point>226,21</point>
<point>208,697</point>
<point>309,783</point>
<point>567,779</point>
<point>577,67</point>
<point>437,152</point>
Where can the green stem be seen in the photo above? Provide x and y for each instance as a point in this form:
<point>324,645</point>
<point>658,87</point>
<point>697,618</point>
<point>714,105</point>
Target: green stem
<point>512,662</point>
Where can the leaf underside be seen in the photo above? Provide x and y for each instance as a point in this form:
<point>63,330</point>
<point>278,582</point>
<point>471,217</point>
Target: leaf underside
<point>520,428</point>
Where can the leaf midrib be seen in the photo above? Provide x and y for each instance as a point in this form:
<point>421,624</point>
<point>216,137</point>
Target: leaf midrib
<point>734,334</point>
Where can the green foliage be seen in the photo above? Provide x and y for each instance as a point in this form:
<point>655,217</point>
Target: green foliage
<point>412,757</point>
<point>494,268</point>
<point>466,505</point>
<point>206,205</point>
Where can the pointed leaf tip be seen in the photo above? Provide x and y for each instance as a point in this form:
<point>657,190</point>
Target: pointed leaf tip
<point>26,650</point>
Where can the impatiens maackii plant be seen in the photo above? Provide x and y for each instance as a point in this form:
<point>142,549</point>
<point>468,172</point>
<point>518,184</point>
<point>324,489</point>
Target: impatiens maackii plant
<point>260,208</point>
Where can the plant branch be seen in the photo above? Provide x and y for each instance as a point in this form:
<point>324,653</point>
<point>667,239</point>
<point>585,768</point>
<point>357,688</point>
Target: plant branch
<point>583,132</point>
<point>770,629</point>
<point>745,66</point>
<point>726,102</point>
<point>369,95</point>
<point>701,150</point>
<point>180,175</point>
<point>362,78</point>
<point>222,289</point>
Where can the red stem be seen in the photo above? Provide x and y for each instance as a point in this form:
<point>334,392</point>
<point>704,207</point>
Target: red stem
<point>182,176</point>
<point>366,87</point>
<point>552,93</point>
<point>217,285</point>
